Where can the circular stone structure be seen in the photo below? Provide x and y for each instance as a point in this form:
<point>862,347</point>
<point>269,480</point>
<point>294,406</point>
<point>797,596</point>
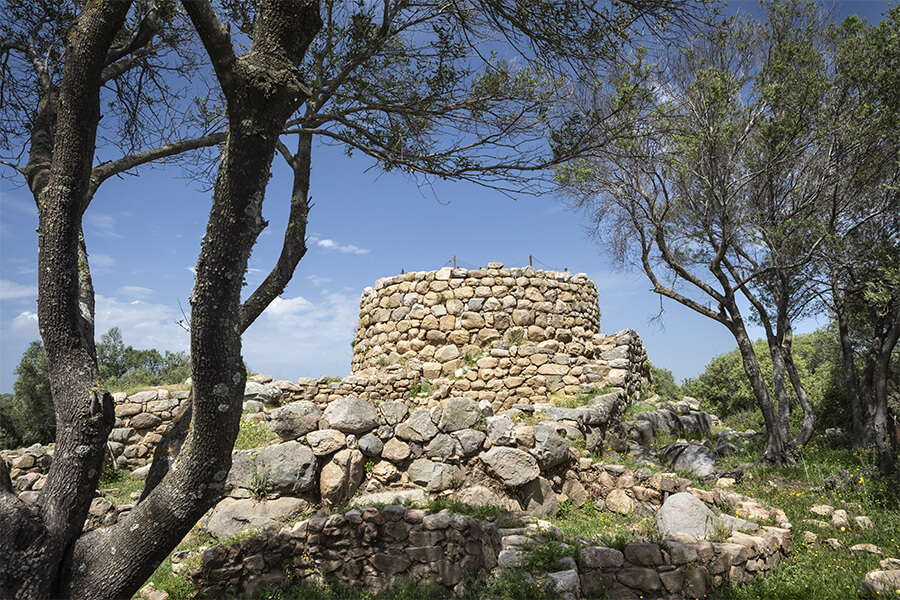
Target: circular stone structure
<point>436,315</point>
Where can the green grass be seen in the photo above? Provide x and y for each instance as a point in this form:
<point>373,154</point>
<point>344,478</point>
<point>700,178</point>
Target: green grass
<point>817,571</point>
<point>253,435</point>
<point>117,485</point>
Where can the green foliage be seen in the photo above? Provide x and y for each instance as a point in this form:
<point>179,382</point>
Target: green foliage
<point>664,384</point>
<point>723,388</point>
<point>124,368</point>
<point>515,336</point>
<point>501,516</point>
<point>28,417</point>
<point>422,388</point>
<point>544,557</point>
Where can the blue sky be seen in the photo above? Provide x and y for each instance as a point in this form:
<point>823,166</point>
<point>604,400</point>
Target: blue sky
<point>143,235</point>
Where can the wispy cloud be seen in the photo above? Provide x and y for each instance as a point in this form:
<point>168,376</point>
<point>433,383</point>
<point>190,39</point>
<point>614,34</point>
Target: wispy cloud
<point>101,261</point>
<point>136,291</point>
<point>329,244</point>
<point>318,281</point>
<point>103,224</point>
<point>10,290</point>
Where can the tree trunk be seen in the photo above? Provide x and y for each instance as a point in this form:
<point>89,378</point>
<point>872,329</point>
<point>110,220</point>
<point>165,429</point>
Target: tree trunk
<point>261,94</point>
<point>859,433</point>
<point>35,541</point>
<point>809,415</point>
<point>880,425</point>
<point>43,552</point>
<point>775,448</point>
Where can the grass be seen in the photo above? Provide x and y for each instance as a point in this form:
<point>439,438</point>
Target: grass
<point>578,400</point>
<point>253,434</point>
<point>117,485</point>
<point>818,571</point>
<point>423,388</point>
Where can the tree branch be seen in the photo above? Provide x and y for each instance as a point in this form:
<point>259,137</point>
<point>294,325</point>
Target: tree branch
<point>215,38</point>
<point>148,28</point>
<point>106,170</point>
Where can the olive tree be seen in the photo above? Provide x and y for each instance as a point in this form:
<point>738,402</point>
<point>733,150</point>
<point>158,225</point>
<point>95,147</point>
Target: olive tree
<point>44,551</point>
<point>716,174</point>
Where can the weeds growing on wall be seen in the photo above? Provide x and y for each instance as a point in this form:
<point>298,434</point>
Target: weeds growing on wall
<point>253,434</point>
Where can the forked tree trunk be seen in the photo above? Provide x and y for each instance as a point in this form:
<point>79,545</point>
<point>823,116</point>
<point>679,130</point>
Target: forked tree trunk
<point>43,553</point>
<point>34,542</point>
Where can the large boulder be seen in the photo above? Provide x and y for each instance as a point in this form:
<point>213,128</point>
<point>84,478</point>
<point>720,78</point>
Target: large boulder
<point>684,513</point>
<point>325,441</point>
<point>663,421</point>
<point>286,468</point>
<point>393,411</point>
<point>550,449</point>
<point>501,430</point>
<point>880,583</point>
<point>539,498</point>
<point>511,466</point>
<point>593,415</point>
<point>341,476</point>
<point>468,441</point>
<point>693,458</point>
<point>294,420</point>
<point>696,422</point>
<point>231,516</point>
<point>478,495</point>
<point>434,476</point>
<point>458,413</point>
<point>418,428</point>
<point>351,415</point>
<point>268,394</point>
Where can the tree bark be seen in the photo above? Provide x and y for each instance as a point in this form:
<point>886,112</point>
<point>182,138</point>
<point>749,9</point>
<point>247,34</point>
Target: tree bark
<point>58,173</point>
<point>880,425</point>
<point>43,552</point>
<point>775,447</point>
<point>262,89</point>
<point>809,415</point>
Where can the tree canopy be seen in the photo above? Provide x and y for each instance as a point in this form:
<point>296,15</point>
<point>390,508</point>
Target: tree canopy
<point>66,66</point>
<point>717,168</point>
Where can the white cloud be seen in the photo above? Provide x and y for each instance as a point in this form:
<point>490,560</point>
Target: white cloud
<point>10,290</point>
<point>329,244</point>
<point>348,249</point>
<point>136,291</point>
<point>296,337</point>
<point>143,325</point>
<point>103,224</point>
<point>25,325</point>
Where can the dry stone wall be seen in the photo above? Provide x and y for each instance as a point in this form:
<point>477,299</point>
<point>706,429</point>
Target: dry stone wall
<point>372,548</point>
<point>424,315</point>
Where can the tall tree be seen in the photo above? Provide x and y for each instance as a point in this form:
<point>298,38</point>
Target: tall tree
<point>714,173</point>
<point>43,550</point>
<point>859,264</point>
